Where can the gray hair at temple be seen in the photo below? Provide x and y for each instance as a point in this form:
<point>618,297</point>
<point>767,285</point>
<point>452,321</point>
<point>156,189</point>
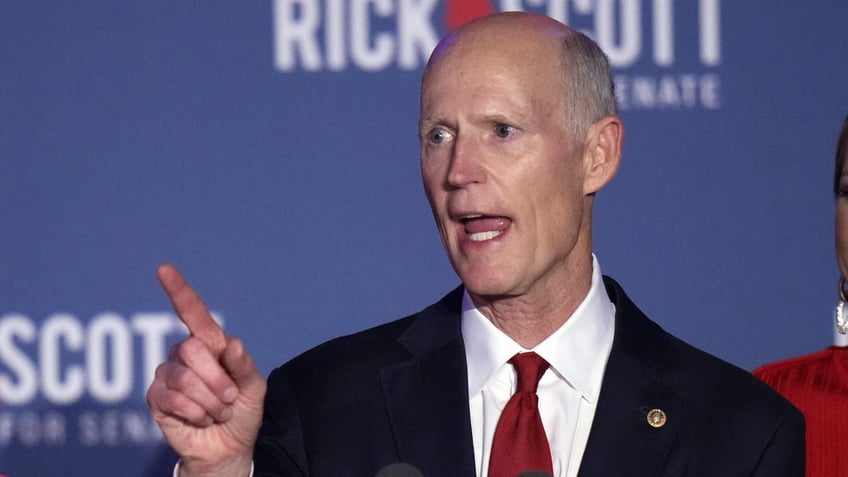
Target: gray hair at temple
<point>588,83</point>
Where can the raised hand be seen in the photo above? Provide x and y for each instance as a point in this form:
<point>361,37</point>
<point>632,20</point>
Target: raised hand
<point>207,397</point>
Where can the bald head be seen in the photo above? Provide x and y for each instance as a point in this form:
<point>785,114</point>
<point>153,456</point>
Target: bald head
<point>536,45</point>
<point>502,30</point>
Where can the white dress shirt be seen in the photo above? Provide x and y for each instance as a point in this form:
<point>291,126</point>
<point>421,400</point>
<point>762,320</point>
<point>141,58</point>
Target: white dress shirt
<point>568,391</point>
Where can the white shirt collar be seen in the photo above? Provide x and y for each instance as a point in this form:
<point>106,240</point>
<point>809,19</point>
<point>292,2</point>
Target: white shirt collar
<point>577,351</point>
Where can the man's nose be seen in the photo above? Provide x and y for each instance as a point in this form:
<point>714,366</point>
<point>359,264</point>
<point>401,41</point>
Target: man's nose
<point>466,166</point>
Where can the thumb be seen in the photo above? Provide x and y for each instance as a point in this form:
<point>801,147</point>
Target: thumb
<point>242,369</point>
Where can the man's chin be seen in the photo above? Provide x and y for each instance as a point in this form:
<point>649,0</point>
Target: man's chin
<point>488,289</point>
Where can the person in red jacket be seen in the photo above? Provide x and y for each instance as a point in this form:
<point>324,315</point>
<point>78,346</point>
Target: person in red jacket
<point>817,383</point>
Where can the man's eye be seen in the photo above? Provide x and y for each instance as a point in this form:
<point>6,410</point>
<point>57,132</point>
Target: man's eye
<point>504,130</point>
<point>438,136</point>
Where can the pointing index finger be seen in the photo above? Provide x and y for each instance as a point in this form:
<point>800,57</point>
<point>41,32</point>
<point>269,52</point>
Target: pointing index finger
<point>191,309</point>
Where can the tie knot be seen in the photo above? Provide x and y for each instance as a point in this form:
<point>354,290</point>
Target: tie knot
<point>530,367</point>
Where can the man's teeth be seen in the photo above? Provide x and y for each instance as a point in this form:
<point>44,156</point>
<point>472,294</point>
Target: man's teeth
<point>481,236</point>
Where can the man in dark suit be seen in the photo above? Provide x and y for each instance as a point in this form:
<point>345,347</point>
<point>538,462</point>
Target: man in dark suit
<point>518,131</point>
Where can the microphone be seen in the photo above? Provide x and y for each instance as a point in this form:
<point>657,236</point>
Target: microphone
<point>399,470</point>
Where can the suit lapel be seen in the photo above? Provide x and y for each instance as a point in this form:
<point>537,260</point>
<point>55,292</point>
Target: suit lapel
<point>621,441</point>
<point>427,395</point>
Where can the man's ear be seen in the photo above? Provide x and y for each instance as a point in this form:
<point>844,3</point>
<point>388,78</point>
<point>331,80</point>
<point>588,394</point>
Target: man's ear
<point>602,152</point>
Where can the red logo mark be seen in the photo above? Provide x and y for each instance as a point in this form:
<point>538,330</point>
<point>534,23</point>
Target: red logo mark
<point>458,12</point>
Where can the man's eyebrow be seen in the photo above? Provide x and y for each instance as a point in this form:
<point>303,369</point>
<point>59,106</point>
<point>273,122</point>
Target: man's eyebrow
<point>480,118</point>
<point>492,118</point>
<point>431,121</point>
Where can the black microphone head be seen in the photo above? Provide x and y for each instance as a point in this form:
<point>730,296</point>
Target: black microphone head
<point>399,470</point>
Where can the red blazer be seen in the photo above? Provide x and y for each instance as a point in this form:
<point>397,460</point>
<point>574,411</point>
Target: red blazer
<point>818,384</point>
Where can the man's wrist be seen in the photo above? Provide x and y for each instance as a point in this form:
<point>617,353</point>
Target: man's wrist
<point>231,469</point>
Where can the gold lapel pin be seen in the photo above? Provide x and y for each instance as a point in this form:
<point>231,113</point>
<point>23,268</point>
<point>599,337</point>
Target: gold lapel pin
<point>656,418</point>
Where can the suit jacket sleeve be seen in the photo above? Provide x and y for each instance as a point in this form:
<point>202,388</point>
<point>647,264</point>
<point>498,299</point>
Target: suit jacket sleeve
<point>279,450</point>
<point>785,454</point>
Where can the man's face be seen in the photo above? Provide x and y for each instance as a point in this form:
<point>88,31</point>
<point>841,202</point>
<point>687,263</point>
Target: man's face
<point>504,179</point>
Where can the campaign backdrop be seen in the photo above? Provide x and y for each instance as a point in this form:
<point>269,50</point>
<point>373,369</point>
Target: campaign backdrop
<point>269,149</point>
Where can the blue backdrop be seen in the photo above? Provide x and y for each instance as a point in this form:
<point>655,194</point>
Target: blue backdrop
<point>269,149</point>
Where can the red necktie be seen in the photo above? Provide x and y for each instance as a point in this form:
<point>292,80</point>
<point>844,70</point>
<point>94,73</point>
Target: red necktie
<point>520,444</point>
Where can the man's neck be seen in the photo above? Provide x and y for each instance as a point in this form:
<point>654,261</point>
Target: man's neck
<point>533,316</point>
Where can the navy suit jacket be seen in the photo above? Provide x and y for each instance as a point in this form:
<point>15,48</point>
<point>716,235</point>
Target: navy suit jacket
<point>399,393</point>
